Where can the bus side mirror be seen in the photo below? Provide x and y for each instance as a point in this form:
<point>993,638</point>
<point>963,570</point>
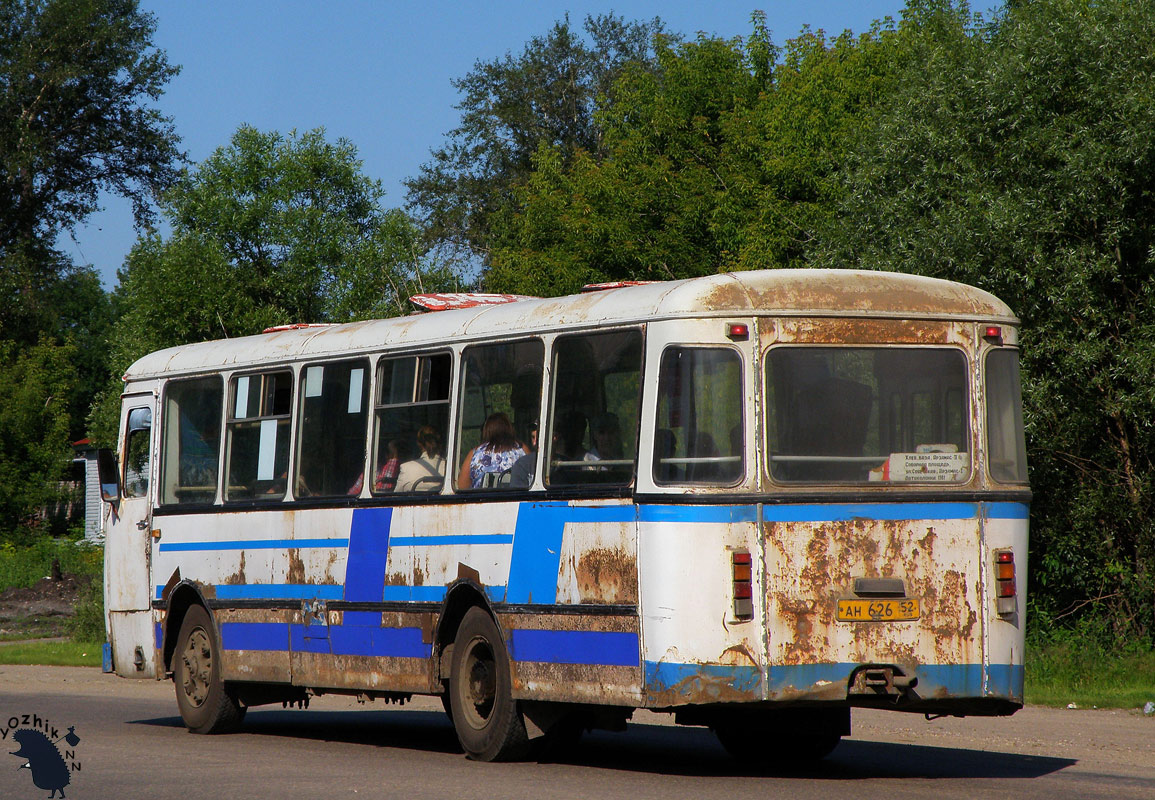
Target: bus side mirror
<point>109,476</point>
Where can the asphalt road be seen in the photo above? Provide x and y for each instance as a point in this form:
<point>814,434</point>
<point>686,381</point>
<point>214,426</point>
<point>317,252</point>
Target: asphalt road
<point>132,745</point>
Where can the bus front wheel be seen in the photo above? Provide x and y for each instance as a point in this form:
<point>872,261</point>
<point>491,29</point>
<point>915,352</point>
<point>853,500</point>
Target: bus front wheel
<point>488,722</point>
<point>204,702</point>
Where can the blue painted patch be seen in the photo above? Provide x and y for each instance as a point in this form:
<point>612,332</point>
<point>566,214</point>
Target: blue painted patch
<point>347,640</point>
<point>309,639</point>
<point>250,544</point>
<point>106,657</point>
<point>604,648</point>
<point>698,679</point>
<point>1006,511</point>
<point>537,539</point>
<point>267,636</point>
<point>368,554</point>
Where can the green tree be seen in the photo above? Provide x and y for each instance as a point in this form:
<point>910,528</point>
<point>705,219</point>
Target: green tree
<point>509,107</point>
<point>34,419</point>
<point>77,79</point>
<point>725,157</point>
<point>1018,155</point>
<point>268,230</point>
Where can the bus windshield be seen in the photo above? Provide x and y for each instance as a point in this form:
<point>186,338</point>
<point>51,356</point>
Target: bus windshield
<point>855,415</point>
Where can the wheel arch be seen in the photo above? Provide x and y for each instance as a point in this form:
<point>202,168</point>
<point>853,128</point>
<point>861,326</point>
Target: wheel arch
<point>183,596</point>
<point>462,595</point>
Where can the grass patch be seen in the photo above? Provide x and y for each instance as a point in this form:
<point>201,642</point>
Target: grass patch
<point>1070,671</point>
<point>22,566</point>
<point>54,654</point>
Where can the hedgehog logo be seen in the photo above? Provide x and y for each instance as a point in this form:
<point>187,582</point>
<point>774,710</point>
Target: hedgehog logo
<point>49,769</point>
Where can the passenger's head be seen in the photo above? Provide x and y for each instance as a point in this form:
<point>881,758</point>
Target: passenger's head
<point>497,432</point>
<point>429,440</point>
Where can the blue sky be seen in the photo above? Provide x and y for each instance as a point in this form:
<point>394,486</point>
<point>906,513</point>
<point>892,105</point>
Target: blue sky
<point>378,72</point>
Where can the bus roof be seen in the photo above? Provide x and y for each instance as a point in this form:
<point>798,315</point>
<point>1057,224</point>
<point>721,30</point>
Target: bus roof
<point>783,292</point>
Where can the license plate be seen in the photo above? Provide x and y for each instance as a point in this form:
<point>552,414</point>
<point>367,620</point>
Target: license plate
<point>877,610</point>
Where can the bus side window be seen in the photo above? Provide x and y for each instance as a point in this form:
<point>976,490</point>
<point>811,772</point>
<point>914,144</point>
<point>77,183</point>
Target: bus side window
<point>137,447</point>
<point>260,408</point>
<point>411,422</point>
<point>500,399</point>
<point>331,432</point>
<point>595,402</point>
<point>191,441</point>
<point>699,433</point>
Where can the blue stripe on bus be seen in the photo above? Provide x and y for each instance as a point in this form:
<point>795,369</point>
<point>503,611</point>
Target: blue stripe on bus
<point>934,680</point>
<point>279,591</point>
<point>251,544</point>
<point>368,554</point>
<point>1006,511</point>
<point>255,636</point>
<point>686,513</point>
<point>414,594</point>
<point>604,648</point>
<point>464,538</point>
<point>347,640</point>
<point>664,676</point>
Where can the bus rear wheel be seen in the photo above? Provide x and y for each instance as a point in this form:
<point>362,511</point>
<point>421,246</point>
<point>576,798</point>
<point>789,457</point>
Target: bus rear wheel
<point>487,719</point>
<point>205,704</point>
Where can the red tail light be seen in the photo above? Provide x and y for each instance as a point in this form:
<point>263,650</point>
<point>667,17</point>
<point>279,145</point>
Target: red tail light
<point>742,566</point>
<point>1005,589</point>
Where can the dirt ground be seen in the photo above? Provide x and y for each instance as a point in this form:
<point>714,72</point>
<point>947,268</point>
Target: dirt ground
<point>40,611</point>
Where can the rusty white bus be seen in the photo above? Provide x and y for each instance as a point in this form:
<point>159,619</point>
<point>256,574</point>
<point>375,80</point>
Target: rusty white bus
<point>753,500</point>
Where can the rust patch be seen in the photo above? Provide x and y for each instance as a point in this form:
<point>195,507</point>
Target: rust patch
<point>810,567</point>
<point>238,577</point>
<point>296,568</point>
<point>736,655</point>
<point>396,579</point>
<point>418,576</point>
<point>607,576</point>
<point>851,330</point>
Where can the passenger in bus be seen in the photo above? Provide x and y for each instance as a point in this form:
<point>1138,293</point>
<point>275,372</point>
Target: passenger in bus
<point>606,434</point>
<point>386,478</point>
<point>521,474</point>
<point>496,454</point>
<point>424,473</point>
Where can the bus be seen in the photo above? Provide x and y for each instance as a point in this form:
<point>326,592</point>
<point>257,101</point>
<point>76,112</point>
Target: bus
<point>753,500</point>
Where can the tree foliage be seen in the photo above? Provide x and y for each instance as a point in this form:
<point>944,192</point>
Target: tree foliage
<point>77,79</point>
<point>723,157</point>
<point>1018,154</point>
<point>34,420</point>
<point>511,106</point>
<point>269,230</point>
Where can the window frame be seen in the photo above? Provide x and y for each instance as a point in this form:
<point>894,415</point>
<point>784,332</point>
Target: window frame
<point>744,422</point>
<point>230,420</point>
<point>884,402</point>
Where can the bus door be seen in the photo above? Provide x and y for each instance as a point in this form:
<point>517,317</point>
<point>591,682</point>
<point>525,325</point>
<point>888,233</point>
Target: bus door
<point>697,532</point>
<point>128,587</point>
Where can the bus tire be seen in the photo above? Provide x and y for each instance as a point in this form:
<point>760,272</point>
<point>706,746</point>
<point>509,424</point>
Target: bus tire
<point>205,704</point>
<point>487,719</point>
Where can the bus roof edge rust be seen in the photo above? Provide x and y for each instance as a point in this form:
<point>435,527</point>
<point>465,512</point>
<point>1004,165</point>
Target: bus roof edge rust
<point>785,292</point>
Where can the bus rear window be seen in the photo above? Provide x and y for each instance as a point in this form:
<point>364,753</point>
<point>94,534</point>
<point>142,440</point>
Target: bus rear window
<point>856,415</point>
<point>1006,447</point>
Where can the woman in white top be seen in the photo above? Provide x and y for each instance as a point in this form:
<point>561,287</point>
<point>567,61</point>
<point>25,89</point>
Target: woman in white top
<point>425,473</point>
